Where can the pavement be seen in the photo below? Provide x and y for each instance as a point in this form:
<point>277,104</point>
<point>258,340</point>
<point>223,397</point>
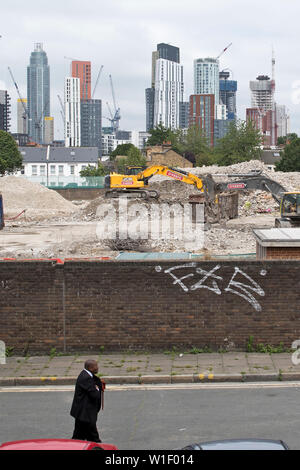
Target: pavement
<point>170,367</point>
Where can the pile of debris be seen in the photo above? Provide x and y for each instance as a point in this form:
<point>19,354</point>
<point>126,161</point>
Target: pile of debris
<point>39,203</point>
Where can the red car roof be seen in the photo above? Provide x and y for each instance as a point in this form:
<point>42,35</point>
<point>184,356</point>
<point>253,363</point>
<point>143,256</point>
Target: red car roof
<point>54,444</point>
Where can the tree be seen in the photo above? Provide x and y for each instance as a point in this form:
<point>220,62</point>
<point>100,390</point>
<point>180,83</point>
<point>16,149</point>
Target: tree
<point>93,174</point>
<point>287,139</point>
<point>122,149</point>
<point>290,159</point>
<point>194,146</point>
<point>134,158</point>
<point>160,135</point>
<point>93,171</point>
<point>240,144</point>
<point>10,158</point>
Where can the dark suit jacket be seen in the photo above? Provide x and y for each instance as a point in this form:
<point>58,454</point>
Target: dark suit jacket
<point>87,399</point>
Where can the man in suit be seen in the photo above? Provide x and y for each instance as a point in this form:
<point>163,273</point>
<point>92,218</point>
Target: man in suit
<point>87,403</point>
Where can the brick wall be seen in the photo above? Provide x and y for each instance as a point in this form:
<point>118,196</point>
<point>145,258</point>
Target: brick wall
<point>82,305</point>
<point>283,253</point>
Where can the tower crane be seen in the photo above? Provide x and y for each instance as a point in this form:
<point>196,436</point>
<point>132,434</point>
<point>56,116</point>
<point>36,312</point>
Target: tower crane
<point>62,106</point>
<point>26,112</point>
<point>117,116</point>
<point>38,122</point>
<point>97,81</point>
<point>224,50</point>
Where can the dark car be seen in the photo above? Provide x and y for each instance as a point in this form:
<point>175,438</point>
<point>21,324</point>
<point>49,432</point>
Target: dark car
<point>239,444</point>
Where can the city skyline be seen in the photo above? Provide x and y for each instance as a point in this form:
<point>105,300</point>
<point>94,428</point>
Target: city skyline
<point>248,57</point>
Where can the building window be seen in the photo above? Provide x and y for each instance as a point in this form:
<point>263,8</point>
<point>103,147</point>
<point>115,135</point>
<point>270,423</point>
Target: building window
<point>52,170</point>
<point>72,169</point>
<point>34,170</point>
<point>42,170</point>
<point>60,169</point>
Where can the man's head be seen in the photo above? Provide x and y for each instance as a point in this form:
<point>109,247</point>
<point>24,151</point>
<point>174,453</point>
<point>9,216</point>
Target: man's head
<point>92,366</point>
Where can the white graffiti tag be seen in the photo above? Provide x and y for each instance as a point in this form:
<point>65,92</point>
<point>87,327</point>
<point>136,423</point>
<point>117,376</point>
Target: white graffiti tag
<point>243,292</point>
<point>235,286</point>
<point>206,275</point>
<point>179,280</point>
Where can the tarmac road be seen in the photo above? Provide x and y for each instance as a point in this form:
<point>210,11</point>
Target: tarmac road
<point>160,416</point>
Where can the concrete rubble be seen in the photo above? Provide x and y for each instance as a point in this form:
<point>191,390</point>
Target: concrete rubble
<point>54,227</point>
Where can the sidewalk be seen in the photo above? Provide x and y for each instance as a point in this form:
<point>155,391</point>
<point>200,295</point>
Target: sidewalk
<point>148,368</point>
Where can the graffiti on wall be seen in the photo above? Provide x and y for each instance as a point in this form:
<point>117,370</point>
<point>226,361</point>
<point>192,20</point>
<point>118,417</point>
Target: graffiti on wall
<point>240,284</point>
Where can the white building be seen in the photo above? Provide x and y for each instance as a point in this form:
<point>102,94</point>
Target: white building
<point>169,88</point>
<point>72,112</point>
<point>57,166</point>
<point>282,121</point>
<point>207,78</point>
<point>111,141</point>
<point>221,112</point>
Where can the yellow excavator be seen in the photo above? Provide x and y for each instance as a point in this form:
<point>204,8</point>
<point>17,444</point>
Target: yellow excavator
<point>136,181</point>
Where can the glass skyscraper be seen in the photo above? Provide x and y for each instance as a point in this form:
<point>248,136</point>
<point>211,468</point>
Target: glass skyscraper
<point>206,78</point>
<point>38,93</point>
<point>91,124</point>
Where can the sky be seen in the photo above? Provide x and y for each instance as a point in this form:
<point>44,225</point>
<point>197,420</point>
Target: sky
<point>121,35</point>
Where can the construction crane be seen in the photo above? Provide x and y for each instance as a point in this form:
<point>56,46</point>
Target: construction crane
<point>97,81</point>
<point>26,112</point>
<point>224,50</point>
<point>38,122</point>
<point>61,105</point>
<point>111,119</point>
<point>117,116</point>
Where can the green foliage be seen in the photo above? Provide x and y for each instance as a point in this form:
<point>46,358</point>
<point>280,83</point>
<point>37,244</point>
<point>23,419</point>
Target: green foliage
<point>93,171</point>
<point>122,149</point>
<point>287,139</point>
<point>290,159</point>
<point>195,350</point>
<point>134,158</point>
<point>9,351</point>
<point>264,348</point>
<point>194,143</point>
<point>10,157</point>
<point>240,144</point>
<point>160,135</point>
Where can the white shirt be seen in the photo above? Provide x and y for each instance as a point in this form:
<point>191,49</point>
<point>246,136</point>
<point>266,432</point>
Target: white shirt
<point>88,372</point>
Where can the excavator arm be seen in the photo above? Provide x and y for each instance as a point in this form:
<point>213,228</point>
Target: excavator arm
<point>252,182</point>
<point>205,184</point>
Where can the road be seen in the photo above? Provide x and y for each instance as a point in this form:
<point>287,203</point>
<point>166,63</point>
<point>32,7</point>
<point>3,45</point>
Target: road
<point>160,417</point>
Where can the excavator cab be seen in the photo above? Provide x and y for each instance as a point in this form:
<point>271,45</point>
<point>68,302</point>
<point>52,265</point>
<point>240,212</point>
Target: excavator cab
<point>289,211</point>
<point>134,170</point>
<point>290,205</point>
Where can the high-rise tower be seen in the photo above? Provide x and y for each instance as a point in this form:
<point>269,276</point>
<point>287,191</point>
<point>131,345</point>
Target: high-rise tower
<point>206,78</point>
<point>72,112</point>
<point>164,98</point>
<point>38,93</point>
<point>82,70</point>
<point>4,111</point>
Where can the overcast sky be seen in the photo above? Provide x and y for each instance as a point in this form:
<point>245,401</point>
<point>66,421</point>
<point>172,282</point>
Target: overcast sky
<point>121,35</point>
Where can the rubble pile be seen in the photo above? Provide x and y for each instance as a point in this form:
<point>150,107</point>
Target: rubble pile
<point>39,203</point>
<point>46,208</point>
